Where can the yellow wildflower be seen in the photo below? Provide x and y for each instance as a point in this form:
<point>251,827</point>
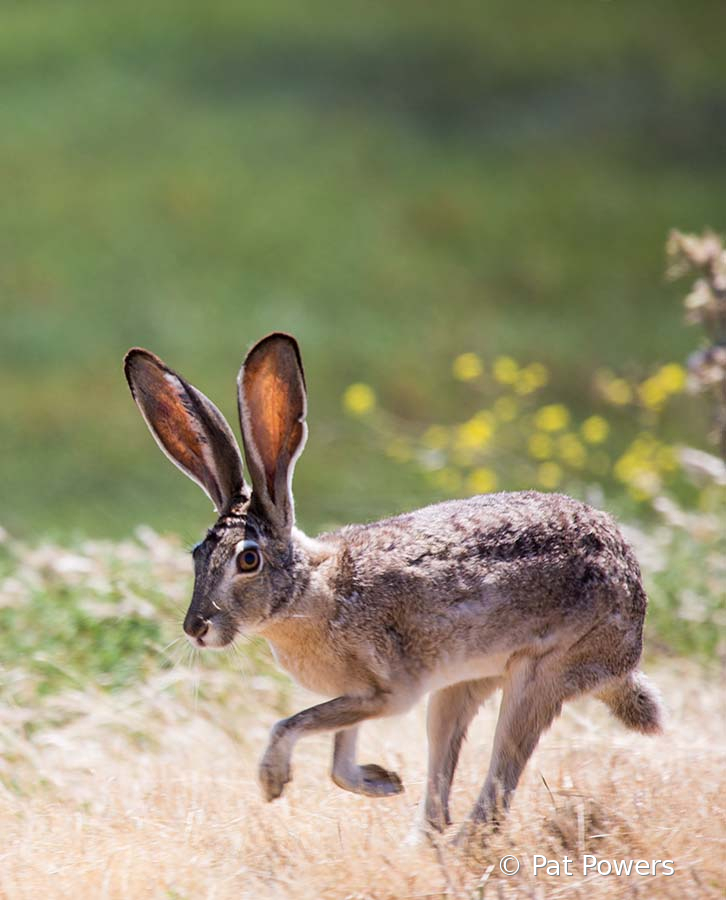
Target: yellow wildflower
<point>359,399</point>
<point>549,475</point>
<point>626,468</point>
<point>615,390</point>
<point>467,367</point>
<point>476,433</point>
<point>672,378</point>
<point>595,429</point>
<point>505,370</point>
<point>482,481</point>
<point>571,451</point>
<point>652,393</point>
<point>641,464</point>
<point>553,417</point>
<point>530,378</point>
<point>524,384</point>
<point>619,392</point>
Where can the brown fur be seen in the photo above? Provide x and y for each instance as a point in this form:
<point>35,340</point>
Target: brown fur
<point>536,594</point>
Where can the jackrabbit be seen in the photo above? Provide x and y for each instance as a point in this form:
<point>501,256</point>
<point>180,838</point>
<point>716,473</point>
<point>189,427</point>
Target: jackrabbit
<point>537,594</point>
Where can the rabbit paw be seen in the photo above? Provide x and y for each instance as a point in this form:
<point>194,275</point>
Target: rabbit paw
<point>274,773</point>
<point>371,781</point>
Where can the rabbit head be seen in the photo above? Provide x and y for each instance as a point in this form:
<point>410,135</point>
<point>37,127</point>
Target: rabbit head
<point>247,568</point>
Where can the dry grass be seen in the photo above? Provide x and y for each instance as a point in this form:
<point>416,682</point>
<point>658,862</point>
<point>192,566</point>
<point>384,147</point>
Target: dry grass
<point>149,793</point>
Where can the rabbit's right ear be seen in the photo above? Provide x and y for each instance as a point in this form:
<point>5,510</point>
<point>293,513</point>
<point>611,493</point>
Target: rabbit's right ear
<point>187,426</point>
<point>272,408</point>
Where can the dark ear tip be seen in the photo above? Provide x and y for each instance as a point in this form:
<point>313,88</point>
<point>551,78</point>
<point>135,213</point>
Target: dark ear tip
<point>274,337</point>
<point>136,354</point>
<point>268,342</point>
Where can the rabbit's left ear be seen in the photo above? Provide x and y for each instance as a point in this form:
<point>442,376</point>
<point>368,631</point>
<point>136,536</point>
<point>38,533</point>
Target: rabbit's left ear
<point>272,408</point>
<point>187,426</point>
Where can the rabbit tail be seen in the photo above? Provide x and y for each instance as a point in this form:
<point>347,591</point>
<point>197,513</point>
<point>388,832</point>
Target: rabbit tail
<point>636,702</point>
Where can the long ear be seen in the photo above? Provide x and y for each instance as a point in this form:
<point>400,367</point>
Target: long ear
<point>272,408</point>
<point>187,426</point>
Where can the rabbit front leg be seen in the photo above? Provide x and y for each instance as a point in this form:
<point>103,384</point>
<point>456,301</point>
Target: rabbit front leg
<point>370,780</point>
<point>334,715</point>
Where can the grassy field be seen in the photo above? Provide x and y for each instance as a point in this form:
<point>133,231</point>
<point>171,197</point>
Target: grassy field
<point>128,764</point>
<point>419,193</point>
<point>147,795</point>
<point>151,793</point>
<point>395,183</point>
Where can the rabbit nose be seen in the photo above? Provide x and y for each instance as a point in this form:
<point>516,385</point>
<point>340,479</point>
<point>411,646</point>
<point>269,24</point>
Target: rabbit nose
<point>196,626</point>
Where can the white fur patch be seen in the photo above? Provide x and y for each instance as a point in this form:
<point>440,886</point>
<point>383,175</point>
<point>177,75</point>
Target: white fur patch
<point>455,671</point>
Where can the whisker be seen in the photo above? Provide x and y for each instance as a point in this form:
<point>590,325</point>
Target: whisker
<point>244,667</point>
<point>196,677</point>
<point>171,644</point>
<point>177,656</point>
<point>187,656</point>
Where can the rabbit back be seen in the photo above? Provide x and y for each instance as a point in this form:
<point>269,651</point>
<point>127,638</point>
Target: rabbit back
<point>482,578</point>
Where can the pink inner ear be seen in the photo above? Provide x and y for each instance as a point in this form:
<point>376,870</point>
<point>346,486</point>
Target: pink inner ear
<point>167,415</point>
<point>267,402</point>
<point>174,427</point>
<point>275,404</point>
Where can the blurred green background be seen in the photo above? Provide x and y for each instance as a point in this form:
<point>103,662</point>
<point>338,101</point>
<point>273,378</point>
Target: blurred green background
<point>395,183</point>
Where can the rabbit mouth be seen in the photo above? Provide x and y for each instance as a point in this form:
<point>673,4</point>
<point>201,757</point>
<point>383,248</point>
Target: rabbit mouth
<point>212,635</point>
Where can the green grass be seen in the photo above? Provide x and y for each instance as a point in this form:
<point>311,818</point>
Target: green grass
<point>394,183</point>
<point>102,616</point>
<point>687,612</point>
<point>64,634</point>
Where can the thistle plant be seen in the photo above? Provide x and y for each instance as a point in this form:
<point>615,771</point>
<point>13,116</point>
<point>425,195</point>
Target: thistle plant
<point>705,256</point>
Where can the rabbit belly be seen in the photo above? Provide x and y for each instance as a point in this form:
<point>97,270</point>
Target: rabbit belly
<point>455,671</point>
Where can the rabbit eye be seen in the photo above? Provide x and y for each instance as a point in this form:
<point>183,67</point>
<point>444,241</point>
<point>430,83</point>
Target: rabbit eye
<point>249,558</point>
